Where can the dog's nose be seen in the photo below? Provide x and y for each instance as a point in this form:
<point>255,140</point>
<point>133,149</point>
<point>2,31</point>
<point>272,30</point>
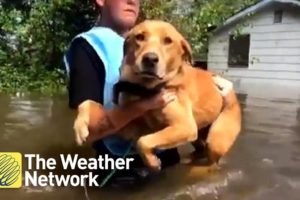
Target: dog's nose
<point>150,60</point>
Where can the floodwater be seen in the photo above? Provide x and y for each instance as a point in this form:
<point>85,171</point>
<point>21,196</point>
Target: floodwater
<point>264,163</point>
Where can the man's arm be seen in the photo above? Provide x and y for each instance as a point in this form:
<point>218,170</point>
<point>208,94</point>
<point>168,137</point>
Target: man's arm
<point>93,122</point>
<point>87,74</point>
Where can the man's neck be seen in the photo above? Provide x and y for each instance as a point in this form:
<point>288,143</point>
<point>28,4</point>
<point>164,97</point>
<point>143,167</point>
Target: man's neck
<point>105,23</point>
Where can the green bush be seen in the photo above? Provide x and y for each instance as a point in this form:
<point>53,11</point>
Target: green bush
<point>16,79</point>
<point>38,34</point>
<point>35,33</point>
<point>33,37</point>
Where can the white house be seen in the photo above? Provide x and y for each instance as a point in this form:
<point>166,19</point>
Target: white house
<point>264,61</point>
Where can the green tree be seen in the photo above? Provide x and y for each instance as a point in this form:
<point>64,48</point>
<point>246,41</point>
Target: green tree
<point>35,33</point>
<point>33,37</point>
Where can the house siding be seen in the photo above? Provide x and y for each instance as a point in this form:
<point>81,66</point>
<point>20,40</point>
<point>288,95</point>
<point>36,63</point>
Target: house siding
<point>274,56</point>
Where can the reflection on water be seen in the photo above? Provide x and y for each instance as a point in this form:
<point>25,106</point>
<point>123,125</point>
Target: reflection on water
<point>264,163</point>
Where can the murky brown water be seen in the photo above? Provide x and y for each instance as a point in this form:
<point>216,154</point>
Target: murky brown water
<point>264,163</point>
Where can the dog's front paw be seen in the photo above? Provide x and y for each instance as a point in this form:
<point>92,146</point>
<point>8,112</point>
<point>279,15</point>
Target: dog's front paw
<point>150,159</point>
<point>81,130</point>
<point>153,162</point>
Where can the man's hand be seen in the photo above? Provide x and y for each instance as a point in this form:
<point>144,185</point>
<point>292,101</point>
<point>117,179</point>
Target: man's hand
<point>159,100</point>
<point>93,122</point>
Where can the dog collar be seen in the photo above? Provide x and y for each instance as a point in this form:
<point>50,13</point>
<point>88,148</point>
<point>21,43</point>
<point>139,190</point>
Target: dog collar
<point>134,89</point>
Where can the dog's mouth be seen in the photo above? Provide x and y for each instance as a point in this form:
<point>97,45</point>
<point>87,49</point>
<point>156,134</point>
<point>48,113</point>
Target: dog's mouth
<point>148,74</point>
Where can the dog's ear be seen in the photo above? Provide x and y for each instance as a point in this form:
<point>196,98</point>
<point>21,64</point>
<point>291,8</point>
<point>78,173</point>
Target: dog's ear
<point>128,38</point>
<point>187,56</point>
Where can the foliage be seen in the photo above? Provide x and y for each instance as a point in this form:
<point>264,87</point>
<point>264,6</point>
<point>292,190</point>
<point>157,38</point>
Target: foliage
<point>211,15</point>
<point>33,36</point>
<point>37,36</point>
<point>156,9</point>
<point>16,79</point>
<point>35,33</point>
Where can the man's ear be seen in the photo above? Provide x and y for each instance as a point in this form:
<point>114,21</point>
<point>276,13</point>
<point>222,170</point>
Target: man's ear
<point>187,56</point>
<point>100,2</point>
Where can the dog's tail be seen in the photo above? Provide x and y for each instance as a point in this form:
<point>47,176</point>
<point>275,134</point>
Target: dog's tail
<point>224,131</point>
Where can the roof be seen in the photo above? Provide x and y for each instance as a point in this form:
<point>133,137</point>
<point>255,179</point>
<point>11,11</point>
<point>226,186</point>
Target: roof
<point>255,8</point>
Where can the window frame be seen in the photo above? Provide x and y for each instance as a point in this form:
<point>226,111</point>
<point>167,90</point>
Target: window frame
<point>238,65</point>
<point>278,16</point>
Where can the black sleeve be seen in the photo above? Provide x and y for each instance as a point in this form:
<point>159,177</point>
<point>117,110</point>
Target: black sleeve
<point>87,74</point>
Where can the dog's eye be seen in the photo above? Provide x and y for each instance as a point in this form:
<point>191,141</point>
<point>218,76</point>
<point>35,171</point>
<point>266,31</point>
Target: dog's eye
<point>140,37</point>
<point>167,40</point>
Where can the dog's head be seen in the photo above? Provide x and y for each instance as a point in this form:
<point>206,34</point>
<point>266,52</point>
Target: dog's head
<point>154,52</point>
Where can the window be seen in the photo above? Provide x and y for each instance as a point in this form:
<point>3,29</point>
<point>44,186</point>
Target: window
<point>278,16</point>
<point>239,51</point>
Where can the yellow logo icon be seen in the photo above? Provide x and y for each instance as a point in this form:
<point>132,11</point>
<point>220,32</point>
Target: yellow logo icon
<point>10,170</point>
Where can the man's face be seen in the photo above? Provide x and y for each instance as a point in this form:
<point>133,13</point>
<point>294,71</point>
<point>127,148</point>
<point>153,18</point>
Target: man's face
<point>122,12</point>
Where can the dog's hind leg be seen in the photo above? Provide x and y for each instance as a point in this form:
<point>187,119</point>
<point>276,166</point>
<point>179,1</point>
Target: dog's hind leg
<point>200,147</point>
<point>225,129</point>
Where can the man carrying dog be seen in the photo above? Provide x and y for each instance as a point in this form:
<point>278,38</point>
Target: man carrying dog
<point>92,62</point>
